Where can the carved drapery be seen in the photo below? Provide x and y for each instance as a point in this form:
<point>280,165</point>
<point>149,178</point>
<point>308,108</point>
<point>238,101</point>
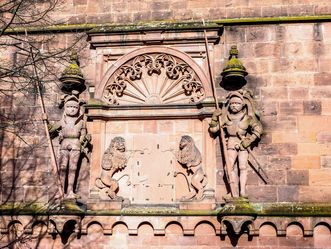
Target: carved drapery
<point>155,78</point>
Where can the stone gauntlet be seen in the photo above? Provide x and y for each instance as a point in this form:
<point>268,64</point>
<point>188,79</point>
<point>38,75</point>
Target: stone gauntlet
<point>247,141</point>
<point>214,119</point>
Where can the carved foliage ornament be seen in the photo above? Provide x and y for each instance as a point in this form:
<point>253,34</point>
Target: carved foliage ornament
<point>153,79</point>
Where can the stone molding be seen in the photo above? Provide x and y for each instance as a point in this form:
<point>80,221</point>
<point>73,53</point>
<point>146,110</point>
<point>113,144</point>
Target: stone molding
<point>221,224</point>
<point>185,62</point>
<point>154,34</point>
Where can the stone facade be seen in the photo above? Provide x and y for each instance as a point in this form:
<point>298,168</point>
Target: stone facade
<point>285,47</point>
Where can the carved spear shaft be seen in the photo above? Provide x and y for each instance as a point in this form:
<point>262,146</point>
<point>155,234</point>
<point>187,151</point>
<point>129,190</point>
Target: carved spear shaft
<point>211,77</point>
<point>44,118</point>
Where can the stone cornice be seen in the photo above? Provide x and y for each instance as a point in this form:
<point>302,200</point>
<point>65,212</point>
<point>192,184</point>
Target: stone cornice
<point>166,25</point>
<point>285,209</point>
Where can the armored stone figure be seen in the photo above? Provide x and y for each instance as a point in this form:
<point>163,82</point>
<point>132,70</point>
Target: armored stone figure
<point>242,128</point>
<point>73,139</point>
<point>190,157</point>
<point>114,160</point>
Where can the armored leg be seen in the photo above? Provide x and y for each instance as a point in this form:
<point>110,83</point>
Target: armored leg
<point>63,164</point>
<point>74,157</point>
<point>232,156</point>
<point>242,159</point>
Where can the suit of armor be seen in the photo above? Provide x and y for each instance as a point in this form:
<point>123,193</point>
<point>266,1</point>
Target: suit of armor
<point>241,129</point>
<point>73,139</point>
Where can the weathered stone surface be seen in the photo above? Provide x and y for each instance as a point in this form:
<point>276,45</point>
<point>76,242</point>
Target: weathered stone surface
<point>298,177</point>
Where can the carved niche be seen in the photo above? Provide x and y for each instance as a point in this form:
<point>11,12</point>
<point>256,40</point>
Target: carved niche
<point>152,97</point>
<point>153,78</point>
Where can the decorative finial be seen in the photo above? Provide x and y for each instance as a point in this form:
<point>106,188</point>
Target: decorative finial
<point>234,72</point>
<point>233,52</point>
<point>72,76</point>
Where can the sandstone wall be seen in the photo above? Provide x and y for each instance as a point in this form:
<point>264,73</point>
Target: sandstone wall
<point>289,73</point>
<point>89,11</point>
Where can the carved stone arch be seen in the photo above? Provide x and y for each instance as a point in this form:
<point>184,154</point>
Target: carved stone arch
<point>154,75</point>
<point>205,222</point>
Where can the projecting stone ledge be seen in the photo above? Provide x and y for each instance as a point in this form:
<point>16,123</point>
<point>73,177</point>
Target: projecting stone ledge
<point>236,217</point>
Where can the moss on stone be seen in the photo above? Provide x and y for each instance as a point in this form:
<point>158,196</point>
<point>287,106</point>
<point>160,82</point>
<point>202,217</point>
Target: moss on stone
<point>279,209</point>
<point>96,103</point>
<point>152,26</point>
<point>238,208</point>
<point>169,24</point>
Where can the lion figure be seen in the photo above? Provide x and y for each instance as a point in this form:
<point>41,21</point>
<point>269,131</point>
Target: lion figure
<point>190,157</point>
<point>114,160</point>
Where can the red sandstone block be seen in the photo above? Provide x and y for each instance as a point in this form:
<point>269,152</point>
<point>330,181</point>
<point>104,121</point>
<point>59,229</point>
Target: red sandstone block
<point>287,149</point>
<point>301,10</point>
<point>273,93</point>
<point>12,194</point>
<point>322,79</point>
<point>123,18</point>
<point>245,241</point>
<point>322,9</point>
<point>257,81</point>
<point>77,19</point>
<point>217,13</point>
<point>315,193</point>
<point>278,177</point>
<point>79,2</point>
<point>291,108</point>
<point>268,108</point>
<point>183,126</point>
<point>324,137</point>
<point>165,126</point>
<point>35,194</point>
<point>208,240</point>
<point>274,10</point>
<point>233,12</point>
<point>160,5</point>
<point>300,242</point>
<point>298,177</point>
<point>150,240</point>
<point>288,193</point>
<point>299,32</point>
<point>278,162</point>
<point>314,123</point>
<point>267,50</point>
<point>312,107</point>
<point>305,162</point>
<point>262,193</point>
<point>252,179</point>
<point>135,127</point>
<point>174,240</point>
<point>251,11</point>
<point>259,66</point>
<point>320,92</point>
<point>150,126</point>
<point>313,149</point>
<point>320,177</point>
<point>258,34</point>
<point>162,15</point>
<point>235,35</point>
<point>294,137</point>
<point>142,15</point>
<point>324,64</point>
<point>326,161</point>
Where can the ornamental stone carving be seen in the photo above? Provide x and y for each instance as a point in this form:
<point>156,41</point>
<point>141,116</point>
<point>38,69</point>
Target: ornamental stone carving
<point>242,127</point>
<point>190,158</point>
<point>74,142</point>
<point>114,160</point>
<point>153,78</point>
